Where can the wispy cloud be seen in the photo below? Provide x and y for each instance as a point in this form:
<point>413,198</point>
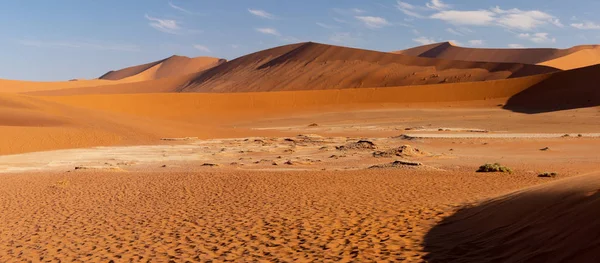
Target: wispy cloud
<point>437,5</point>
<point>350,11</point>
<point>261,13</point>
<point>326,26</point>
<point>424,40</point>
<point>202,48</point>
<point>373,21</point>
<point>408,9</point>
<point>341,21</point>
<point>164,25</point>
<point>180,8</point>
<point>586,26</point>
<point>515,46</point>
<point>476,42</point>
<point>170,26</point>
<point>268,31</point>
<point>89,45</point>
<point>524,20</point>
<point>475,18</point>
<point>539,38</point>
<point>454,32</point>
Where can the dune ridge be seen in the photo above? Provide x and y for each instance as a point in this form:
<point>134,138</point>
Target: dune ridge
<point>169,67</point>
<point>311,66</point>
<point>565,59</point>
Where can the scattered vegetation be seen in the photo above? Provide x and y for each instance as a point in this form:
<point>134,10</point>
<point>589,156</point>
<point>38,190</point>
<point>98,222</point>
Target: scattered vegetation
<point>494,168</point>
<point>545,149</point>
<point>548,175</point>
<point>313,125</point>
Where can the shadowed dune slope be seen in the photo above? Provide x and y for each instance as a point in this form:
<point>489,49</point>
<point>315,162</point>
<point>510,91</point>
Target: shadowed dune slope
<point>555,222</point>
<point>575,57</point>
<point>169,67</point>
<point>570,89</point>
<point>313,66</point>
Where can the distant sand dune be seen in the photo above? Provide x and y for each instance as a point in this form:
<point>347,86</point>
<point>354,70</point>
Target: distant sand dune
<point>169,67</point>
<point>575,57</point>
<point>313,66</point>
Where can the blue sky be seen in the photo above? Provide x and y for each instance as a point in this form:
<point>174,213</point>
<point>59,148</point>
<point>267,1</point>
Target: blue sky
<point>64,39</point>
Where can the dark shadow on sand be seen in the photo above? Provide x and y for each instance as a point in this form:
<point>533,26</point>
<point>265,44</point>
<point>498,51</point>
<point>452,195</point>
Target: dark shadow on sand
<point>528,227</point>
<point>573,89</point>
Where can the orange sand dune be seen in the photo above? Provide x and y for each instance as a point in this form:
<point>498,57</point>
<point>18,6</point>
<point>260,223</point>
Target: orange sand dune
<point>578,59</point>
<point>312,66</point>
<point>555,222</point>
<point>575,57</point>
<point>33,124</point>
<point>18,86</point>
<point>120,87</point>
<point>169,67</point>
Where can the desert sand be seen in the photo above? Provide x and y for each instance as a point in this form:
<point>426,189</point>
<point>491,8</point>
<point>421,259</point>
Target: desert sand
<point>304,153</point>
<point>564,59</point>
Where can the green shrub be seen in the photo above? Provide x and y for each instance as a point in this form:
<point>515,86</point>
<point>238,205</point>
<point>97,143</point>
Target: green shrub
<point>494,168</point>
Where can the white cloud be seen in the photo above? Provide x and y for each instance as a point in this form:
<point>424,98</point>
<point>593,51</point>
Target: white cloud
<point>89,45</point>
<point>424,40</point>
<point>537,37</point>
<point>326,26</point>
<point>351,11</point>
<point>515,46</point>
<point>454,32</point>
<point>261,13</point>
<point>234,46</point>
<point>373,21</point>
<point>357,11</point>
<point>179,8</point>
<point>524,20</point>
<point>476,42</point>
<point>437,5</point>
<point>405,5</point>
<point>340,20</point>
<point>586,26</point>
<point>511,18</point>
<point>475,18</point>
<point>408,9</point>
<point>416,32</point>
<point>268,31</point>
<point>164,25</point>
<point>202,48</point>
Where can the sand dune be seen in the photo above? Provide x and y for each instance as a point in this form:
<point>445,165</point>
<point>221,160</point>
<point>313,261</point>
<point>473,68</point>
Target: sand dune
<point>556,222</point>
<point>575,88</point>
<point>312,66</point>
<point>578,59</point>
<point>18,86</point>
<point>169,67</point>
<point>575,57</point>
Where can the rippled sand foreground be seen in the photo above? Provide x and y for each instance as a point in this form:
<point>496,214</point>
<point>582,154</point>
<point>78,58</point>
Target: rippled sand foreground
<point>232,215</point>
